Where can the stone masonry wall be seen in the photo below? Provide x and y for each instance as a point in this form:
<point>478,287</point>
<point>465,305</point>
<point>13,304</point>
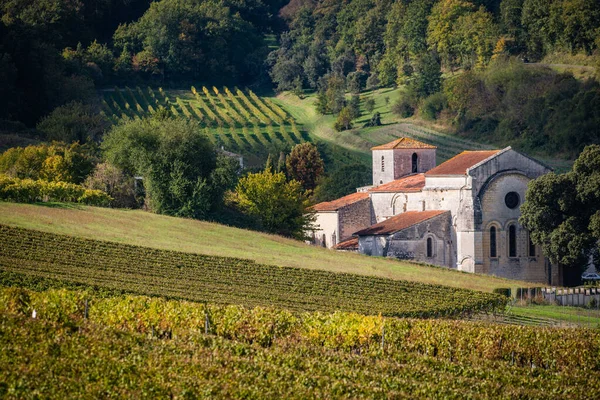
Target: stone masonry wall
<point>354,217</point>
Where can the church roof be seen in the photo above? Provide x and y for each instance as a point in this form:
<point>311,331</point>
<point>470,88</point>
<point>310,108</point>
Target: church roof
<point>458,165</point>
<point>399,222</point>
<point>350,244</point>
<point>404,143</point>
<point>410,183</point>
<point>335,205</point>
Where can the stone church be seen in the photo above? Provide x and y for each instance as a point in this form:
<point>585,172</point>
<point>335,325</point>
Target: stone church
<point>461,214</point>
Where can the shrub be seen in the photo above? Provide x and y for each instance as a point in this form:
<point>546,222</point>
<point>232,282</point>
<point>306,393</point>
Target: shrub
<point>30,191</point>
<point>403,108</point>
<point>503,291</point>
<point>432,106</point>
<point>111,180</point>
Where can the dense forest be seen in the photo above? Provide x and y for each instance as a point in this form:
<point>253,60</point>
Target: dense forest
<point>467,63</point>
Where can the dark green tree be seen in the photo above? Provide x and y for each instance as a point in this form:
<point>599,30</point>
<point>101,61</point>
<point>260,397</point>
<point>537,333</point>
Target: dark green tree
<point>305,165</point>
<point>175,160</point>
<point>562,212</point>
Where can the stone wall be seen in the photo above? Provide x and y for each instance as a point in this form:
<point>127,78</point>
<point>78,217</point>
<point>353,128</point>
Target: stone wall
<point>411,243</point>
<point>526,265</point>
<point>354,217</point>
<point>398,163</point>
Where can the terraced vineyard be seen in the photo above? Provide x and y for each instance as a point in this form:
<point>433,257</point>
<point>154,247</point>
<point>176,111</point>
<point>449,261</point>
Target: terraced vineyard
<point>223,280</point>
<point>240,121</point>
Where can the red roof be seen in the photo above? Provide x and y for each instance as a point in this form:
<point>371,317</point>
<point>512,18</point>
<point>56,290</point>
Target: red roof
<point>400,222</point>
<point>459,164</point>
<point>350,244</point>
<point>411,183</point>
<point>335,205</point>
<point>404,143</point>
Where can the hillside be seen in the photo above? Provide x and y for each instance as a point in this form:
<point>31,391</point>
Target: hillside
<point>161,232</point>
<point>239,121</point>
<point>359,140</point>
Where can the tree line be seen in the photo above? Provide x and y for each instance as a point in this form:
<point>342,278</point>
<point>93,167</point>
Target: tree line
<point>53,52</point>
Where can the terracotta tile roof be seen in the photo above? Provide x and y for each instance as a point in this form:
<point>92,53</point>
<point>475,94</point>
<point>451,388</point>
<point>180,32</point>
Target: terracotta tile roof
<point>411,183</point>
<point>341,202</point>
<point>404,143</point>
<point>400,222</point>
<point>350,244</point>
<point>459,164</point>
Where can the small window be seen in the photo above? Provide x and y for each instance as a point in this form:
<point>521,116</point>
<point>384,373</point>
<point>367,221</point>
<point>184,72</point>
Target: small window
<point>415,162</point>
<point>333,239</point>
<point>429,247</point>
<point>512,200</point>
<point>512,241</point>
<point>324,241</point>
<point>531,247</point>
<point>382,164</point>
<point>493,251</point>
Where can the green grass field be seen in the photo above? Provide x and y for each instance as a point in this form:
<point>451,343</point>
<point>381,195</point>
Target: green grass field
<point>151,230</point>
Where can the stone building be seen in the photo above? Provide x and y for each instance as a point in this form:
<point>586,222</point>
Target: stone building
<point>461,214</point>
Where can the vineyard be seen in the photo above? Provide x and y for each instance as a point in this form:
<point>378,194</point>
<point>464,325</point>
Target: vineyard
<point>224,280</point>
<point>239,121</point>
<point>78,345</point>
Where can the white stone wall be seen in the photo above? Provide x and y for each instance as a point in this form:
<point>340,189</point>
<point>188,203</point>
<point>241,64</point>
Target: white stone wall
<point>326,226</point>
<point>387,175</point>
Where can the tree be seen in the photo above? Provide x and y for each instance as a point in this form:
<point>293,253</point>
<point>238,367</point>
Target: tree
<point>201,40</point>
<point>305,165</point>
<point>428,77</point>
<point>344,119</point>
<point>370,105</point>
<point>342,181</point>
<point>562,212</point>
<point>441,31</point>
<point>74,122</point>
<point>175,160</point>
<point>278,205</point>
<point>115,183</point>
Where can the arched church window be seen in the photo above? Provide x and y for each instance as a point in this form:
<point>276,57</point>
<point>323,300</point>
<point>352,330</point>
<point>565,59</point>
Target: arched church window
<point>429,247</point>
<point>493,251</point>
<point>415,162</point>
<point>382,164</point>
<point>531,247</point>
<point>512,241</point>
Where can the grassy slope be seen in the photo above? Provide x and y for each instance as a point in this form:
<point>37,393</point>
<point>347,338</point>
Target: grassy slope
<point>146,229</point>
<point>359,140</point>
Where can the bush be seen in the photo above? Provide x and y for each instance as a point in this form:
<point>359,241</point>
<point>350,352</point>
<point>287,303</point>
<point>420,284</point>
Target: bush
<point>372,82</point>
<point>503,291</point>
<point>74,122</point>
<point>432,106</point>
<point>403,108</point>
<point>111,180</point>
<point>356,81</point>
<point>31,191</point>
